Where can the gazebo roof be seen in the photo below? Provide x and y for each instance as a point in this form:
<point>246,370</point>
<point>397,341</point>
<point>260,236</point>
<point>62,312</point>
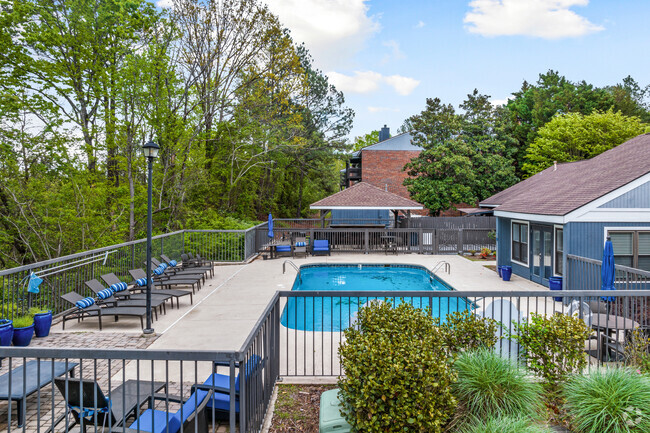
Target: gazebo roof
<point>362,195</point>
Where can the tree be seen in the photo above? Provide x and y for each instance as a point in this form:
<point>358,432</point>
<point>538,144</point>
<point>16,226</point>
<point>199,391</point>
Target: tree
<point>465,157</point>
<point>365,140</point>
<point>573,137</point>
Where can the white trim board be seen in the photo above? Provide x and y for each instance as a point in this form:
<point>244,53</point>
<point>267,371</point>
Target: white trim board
<point>367,207</point>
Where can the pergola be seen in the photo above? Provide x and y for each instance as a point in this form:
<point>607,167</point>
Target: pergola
<point>361,196</point>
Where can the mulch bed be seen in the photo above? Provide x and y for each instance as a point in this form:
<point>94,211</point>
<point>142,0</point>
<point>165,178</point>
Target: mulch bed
<point>297,408</point>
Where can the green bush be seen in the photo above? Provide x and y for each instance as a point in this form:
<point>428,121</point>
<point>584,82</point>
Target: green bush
<point>490,384</point>
<point>504,425</point>
<point>23,321</point>
<point>637,351</point>
<point>397,371</point>
<point>466,331</point>
<point>614,400</point>
<point>554,347</point>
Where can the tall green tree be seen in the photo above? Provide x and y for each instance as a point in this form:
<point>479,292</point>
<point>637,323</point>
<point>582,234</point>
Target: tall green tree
<point>573,137</point>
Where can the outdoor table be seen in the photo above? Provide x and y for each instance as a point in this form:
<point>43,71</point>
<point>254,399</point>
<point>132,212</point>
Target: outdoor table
<point>32,379</point>
<point>611,323</point>
<point>128,397</point>
<point>389,242</point>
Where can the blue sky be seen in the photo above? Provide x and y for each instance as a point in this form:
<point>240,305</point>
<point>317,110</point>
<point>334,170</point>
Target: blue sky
<point>389,56</point>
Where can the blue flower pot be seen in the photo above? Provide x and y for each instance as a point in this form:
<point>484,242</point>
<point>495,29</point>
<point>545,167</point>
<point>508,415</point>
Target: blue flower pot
<point>42,324</point>
<point>506,272</point>
<point>6,332</point>
<point>555,283</point>
<point>23,336</point>
<point>499,270</point>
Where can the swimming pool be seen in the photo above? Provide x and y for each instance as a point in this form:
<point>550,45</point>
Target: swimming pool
<point>335,313</point>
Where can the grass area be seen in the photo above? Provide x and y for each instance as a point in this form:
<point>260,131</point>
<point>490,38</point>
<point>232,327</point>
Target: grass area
<point>297,408</point>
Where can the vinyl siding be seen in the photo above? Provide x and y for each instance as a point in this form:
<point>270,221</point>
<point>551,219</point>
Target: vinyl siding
<point>587,239</point>
<point>638,198</point>
<point>361,216</point>
<point>504,244</point>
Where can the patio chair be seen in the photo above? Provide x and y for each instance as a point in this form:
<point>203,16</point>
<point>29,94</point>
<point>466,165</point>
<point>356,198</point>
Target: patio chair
<point>175,264</point>
<point>284,249</point>
<point>189,418</point>
<point>320,246</point>
<point>140,276</point>
<point>110,298</point>
<point>140,283</point>
<point>95,310</point>
<point>300,246</point>
<point>173,271</point>
<point>159,274</point>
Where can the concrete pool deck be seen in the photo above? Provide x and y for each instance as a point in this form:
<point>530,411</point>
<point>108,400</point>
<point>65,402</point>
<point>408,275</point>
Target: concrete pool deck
<point>229,305</point>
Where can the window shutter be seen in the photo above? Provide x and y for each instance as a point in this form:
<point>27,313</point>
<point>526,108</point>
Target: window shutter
<point>622,243</point>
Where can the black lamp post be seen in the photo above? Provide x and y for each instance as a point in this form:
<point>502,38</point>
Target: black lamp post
<point>150,151</point>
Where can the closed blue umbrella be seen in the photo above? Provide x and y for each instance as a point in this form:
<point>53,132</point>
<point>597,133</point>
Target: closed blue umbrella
<point>607,270</point>
<point>270,234</point>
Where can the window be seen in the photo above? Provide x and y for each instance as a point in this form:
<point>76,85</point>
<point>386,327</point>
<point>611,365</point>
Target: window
<point>559,250</point>
<point>631,248</point>
<point>520,242</point>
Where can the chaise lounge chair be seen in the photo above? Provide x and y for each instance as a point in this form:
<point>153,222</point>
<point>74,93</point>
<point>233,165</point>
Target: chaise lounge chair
<point>175,265</point>
<point>320,246</point>
<point>140,283</point>
<point>157,302</point>
<point>178,271</point>
<point>94,310</point>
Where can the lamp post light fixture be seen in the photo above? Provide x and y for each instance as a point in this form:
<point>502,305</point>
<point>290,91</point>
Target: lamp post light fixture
<point>150,151</point>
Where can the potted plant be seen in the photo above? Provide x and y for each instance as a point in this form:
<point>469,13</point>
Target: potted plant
<point>23,330</point>
<point>42,321</point>
<point>6,332</point>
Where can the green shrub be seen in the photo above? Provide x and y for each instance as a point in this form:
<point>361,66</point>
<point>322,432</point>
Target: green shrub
<point>504,425</point>
<point>23,321</point>
<point>490,384</point>
<point>397,371</point>
<point>615,400</point>
<point>553,346</point>
<point>466,331</point>
<point>35,310</point>
<point>8,310</point>
<point>637,351</point>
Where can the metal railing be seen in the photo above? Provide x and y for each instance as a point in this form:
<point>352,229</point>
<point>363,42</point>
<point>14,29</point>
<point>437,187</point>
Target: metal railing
<point>69,273</point>
<point>130,378</point>
<point>313,323</point>
<point>585,274</point>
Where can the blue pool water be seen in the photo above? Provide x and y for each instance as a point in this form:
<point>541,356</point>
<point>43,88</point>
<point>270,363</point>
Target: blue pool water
<point>334,313</point>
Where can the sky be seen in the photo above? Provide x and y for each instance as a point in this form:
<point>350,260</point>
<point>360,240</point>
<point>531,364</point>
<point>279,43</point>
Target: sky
<point>388,56</point>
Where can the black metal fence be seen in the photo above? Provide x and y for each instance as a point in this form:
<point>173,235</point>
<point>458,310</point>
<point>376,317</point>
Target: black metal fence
<point>42,387</point>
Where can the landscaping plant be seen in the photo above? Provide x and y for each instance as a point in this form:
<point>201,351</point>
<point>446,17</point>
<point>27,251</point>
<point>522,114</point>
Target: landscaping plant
<point>637,351</point>
<point>397,371</point>
<point>23,321</point>
<point>504,424</point>
<point>490,384</point>
<point>553,347</point>
<point>615,400</point>
<point>464,330</point>
<point>485,253</point>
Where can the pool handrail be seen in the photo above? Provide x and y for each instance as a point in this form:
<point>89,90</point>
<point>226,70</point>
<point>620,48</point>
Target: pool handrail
<point>284,269</point>
<point>441,264</point>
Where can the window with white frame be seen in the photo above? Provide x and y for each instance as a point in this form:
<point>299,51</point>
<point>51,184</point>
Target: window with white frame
<point>559,250</point>
<point>519,246</point>
<point>631,248</point>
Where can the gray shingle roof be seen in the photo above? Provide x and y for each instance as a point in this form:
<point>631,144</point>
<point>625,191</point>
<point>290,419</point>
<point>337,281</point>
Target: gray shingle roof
<point>575,184</point>
<point>398,142</point>
<point>363,194</point>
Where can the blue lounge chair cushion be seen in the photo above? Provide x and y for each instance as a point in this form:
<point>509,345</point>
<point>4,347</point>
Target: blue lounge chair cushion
<point>141,282</point>
<point>144,422</point>
<point>85,302</point>
<point>283,248</point>
<point>173,263</point>
<point>221,401</point>
<point>119,287</point>
<point>105,294</point>
<point>159,270</point>
<point>321,245</point>
<point>301,244</point>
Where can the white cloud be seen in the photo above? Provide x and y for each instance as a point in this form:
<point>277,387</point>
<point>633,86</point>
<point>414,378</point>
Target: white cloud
<point>370,81</point>
<point>332,30</point>
<point>395,51</point>
<point>165,4</point>
<point>383,109</point>
<point>497,102</point>
<point>420,24</point>
<point>548,19</point>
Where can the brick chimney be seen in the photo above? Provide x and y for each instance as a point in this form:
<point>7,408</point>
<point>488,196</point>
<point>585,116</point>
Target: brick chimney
<point>384,134</point>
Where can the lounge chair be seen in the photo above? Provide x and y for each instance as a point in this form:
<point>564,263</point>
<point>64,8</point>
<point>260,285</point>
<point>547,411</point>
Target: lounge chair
<point>189,418</point>
<point>111,279</point>
<point>178,271</point>
<point>159,274</point>
<point>284,249</point>
<point>320,246</point>
<point>136,300</point>
<point>99,312</point>
<point>175,265</point>
<point>140,274</point>
<point>300,246</point>
<point>86,401</point>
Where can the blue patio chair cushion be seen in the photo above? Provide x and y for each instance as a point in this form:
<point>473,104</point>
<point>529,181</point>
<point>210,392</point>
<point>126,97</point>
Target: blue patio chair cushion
<point>119,287</point>
<point>321,245</point>
<point>173,263</point>
<point>301,244</point>
<point>159,425</point>
<point>222,381</point>
<point>159,270</point>
<point>85,302</point>
<point>105,294</point>
<point>141,282</point>
<point>283,248</point>
<point>221,401</point>
<point>191,404</point>
<point>163,265</point>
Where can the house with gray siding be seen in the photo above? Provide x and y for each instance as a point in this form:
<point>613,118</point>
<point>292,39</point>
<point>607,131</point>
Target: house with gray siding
<point>571,208</point>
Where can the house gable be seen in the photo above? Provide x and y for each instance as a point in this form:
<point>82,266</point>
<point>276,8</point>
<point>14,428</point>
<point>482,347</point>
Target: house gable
<point>637,198</point>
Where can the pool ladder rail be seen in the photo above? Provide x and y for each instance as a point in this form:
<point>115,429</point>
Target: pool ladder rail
<point>284,269</point>
<point>445,266</point>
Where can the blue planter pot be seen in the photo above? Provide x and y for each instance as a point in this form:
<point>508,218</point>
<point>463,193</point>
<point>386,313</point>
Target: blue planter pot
<point>499,270</point>
<point>555,283</point>
<point>23,336</point>
<point>42,324</point>
<point>506,272</point>
<point>6,332</point>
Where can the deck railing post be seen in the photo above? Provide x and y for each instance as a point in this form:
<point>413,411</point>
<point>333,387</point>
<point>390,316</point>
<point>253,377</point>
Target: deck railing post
<point>366,241</point>
<point>459,244</point>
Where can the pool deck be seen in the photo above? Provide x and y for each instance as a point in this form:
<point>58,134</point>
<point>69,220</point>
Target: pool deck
<point>229,305</point>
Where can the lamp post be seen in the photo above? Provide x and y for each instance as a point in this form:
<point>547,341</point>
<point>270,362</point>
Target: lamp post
<point>150,151</point>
